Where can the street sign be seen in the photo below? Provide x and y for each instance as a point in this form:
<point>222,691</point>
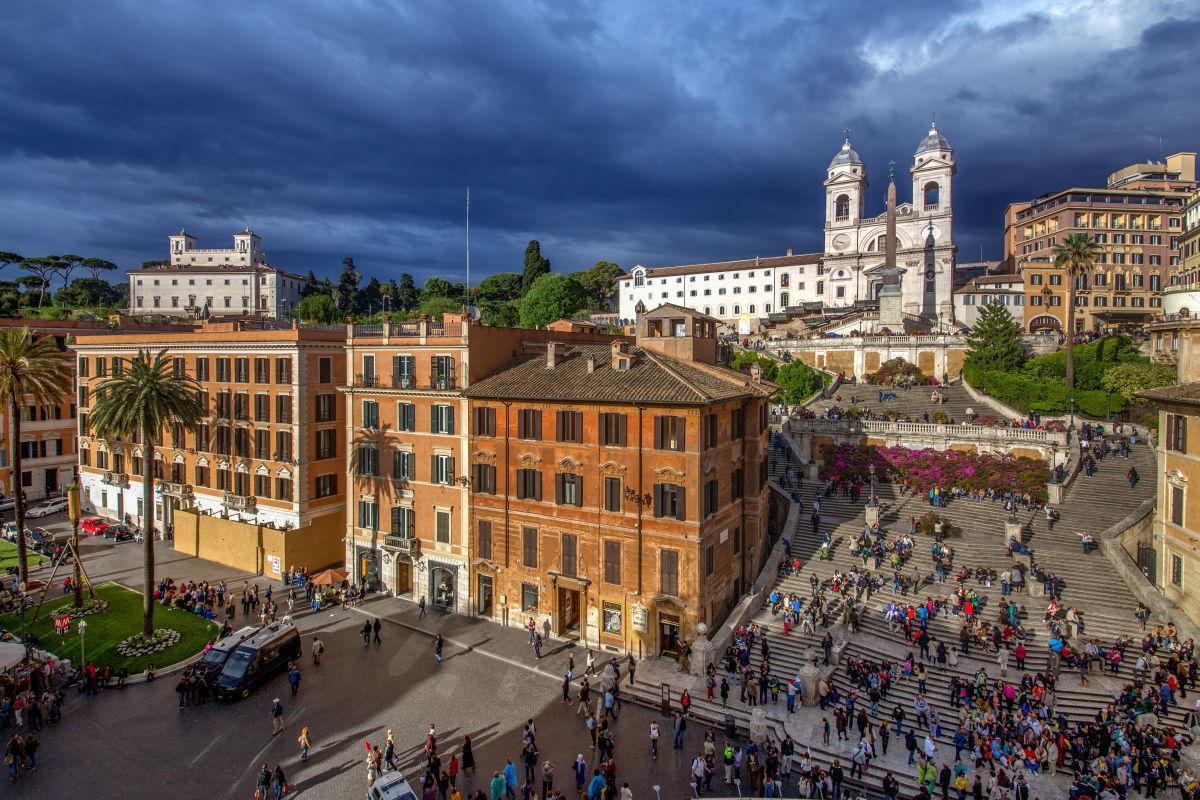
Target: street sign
<point>62,624</point>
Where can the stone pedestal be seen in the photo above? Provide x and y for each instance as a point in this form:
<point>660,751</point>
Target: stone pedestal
<point>872,513</point>
<point>1012,529</point>
<point>1025,560</point>
<point>1035,587</point>
<point>758,725</point>
<point>811,471</point>
<point>703,652</point>
<point>810,677</point>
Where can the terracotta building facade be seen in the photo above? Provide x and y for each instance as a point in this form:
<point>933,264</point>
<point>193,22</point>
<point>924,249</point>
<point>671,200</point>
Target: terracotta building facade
<point>618,492</point>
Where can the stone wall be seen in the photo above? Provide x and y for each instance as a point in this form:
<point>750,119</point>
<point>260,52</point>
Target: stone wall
<point>258,549</point>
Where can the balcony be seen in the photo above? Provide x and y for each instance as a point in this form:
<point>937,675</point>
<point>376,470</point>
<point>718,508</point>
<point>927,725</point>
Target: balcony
<point>175,489</point>
<point>442,383</point>
<point>368,381</point>
<point>405,545</point>
<point>239,502</point>
<point>403,381</point>
<point>119,479</point>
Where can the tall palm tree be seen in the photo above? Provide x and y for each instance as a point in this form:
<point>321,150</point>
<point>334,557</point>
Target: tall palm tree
<point>29,368</point>
<point>1077,254</point>
<point>146,399</point>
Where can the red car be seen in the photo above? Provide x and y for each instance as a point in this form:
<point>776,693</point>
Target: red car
<point>94,525</point>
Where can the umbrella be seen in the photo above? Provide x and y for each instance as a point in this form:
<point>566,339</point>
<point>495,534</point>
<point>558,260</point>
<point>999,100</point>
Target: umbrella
<point>11,654</point>
<point>329,577</point>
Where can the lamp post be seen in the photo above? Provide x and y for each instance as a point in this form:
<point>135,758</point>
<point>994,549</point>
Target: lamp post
<point>1107,407</point>
<point>73,515</point>
<point>871,469</point>
<point>82,654</point>
<point>1072,425</point>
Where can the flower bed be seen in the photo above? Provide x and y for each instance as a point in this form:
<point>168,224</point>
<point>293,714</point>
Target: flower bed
<point>897,370</point>
<point>139,645</point>
<point>944,469</point>
<point>89,608</point>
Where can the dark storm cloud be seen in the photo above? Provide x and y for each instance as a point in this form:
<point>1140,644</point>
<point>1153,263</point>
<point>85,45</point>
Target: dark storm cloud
<point>626,131</point>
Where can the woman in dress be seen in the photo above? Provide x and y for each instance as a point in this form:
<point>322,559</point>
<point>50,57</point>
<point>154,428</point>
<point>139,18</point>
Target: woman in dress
<point>468,758</point>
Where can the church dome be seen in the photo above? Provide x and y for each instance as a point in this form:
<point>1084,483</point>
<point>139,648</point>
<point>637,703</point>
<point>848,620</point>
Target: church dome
<point>934,141</point>
<point>845,156</point>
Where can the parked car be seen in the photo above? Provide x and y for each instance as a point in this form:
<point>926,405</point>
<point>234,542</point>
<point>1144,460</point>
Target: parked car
<point>10,532</point>
<point>258,658</point>
<point>120,533</point>
<point>8,503</point>
<point>54,505</point>
<point>94,525</point>
<point>391,786</point>
<point>54,543</point>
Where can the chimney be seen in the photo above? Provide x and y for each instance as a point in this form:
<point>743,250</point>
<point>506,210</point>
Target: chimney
<point>618,348</point>
<point>755,372</point>
<point>551,354</point>
<point>789,251</point>
<point>591,364</point>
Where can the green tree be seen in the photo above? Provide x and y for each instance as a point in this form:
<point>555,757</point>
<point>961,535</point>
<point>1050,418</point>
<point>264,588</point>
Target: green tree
<point>43,269</point>
<point>501,287</point>
<point>345,297</point>
<point>747,358</point>
<point>29,368</point>
<point>97,266</point>
<point>408,295</point>
<point>317,308</point>
<point>535,265</point>
<point>1127,379</point>
<point>370,299</point>
<point>994,342</point>
<point>311,285</point>
<point>89,292</point>
<point>1076,255</point>
<point>144,400</point>
<point>797,382</point>
<point>499,314</point>
<point>438,287</point>
<point>436,306</point>
<point>551,297</point>
<point>600,282</point>
<point>7,259</point>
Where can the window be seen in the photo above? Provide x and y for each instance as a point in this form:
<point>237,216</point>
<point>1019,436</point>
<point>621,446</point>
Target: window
<point>368,461</point>
<point>262,484</point>
<point>483,478</point>
<point>708,560</point>
<point>529,547</point>
<point>283,408</point>
<point>841,208</point>
<point>241,406</point>
<point>710,497</point>
<point>529,598</point>
<point>325,370</point>
<point>668,500</point>
<point>283,488</point>
<point>406,417</point>
<point>483,539</point>
<point>612,562</point>
<point>613,430</point>
<point>569,546</point>
<point>262,408</point>
<point>283,370</point>
<point>262,443</point>
<point>1177,505</point>
<point>402,521</point>
<point>1176,571</point>
<point>708,431</point>
<point>737,488</point>
<point>368,514</point>
<point>442,372</point>
<point>441,419</point>
<point>529,424</point>
<point>1056,280</point>
<point>441,525</point>
<point>568,489</point>
<point>403,372</point>
<point>569,425</point>
<point>484,421</point>
<point>326,485</point>
<point>326,408</point>
<point>1176,433</point>
<point>668,572</point>
<point>404,465</point>
<point>529,484</point>
<point>326,442</point>
<point>241,370</point>
<point>283,444</point>
<point>101,367</point>
<point>83,367</point>
<point>262,371</point>
<point>443,469</point>
<point>612,494</point>
<point>669,433</point>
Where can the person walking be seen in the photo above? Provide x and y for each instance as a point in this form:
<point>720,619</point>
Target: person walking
<point>318,649</point>
<point>366,634</point>
<point>264,781</point>
<point>305,743</point>
<point>293,677</point>
<point>654,740</point>
<point>389,750</point>
<point>497,785</point>
<point>468,756</point>
<point>279,782</point>
<point>276,717</point>
<point>437,648</point>
<point>421,608</point>
<point>375,626</point>
<point>547,778</point>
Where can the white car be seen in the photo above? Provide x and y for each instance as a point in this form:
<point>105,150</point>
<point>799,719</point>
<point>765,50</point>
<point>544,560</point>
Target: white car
<point>391,786</point>
<point>53,506</point>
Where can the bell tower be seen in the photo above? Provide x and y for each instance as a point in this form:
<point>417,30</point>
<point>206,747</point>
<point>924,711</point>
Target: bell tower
<point>933,172</point>
<point>845,189</point>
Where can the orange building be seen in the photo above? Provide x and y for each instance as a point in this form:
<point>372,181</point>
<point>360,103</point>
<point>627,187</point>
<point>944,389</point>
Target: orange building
<point>407,526</point>
<point>267,457</point>
<point>618,492</point>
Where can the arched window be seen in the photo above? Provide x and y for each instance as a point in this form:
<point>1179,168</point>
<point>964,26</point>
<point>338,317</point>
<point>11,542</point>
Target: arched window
<point>639,278</point>
<point>721,311</point>
<point>841,207</point>
<point>751,308</point>
<point>785,280</point>
<point>767,308</point>
<point>737,310</point>
<point>931,192</point>
<point>708,310</point>
<point>783,300</point>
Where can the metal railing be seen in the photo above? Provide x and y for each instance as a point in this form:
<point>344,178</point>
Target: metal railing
<point>964,431</point>
<point>404,381</point>
<point>239,502</point>
<point>115,479</point>
<point>408,545</point>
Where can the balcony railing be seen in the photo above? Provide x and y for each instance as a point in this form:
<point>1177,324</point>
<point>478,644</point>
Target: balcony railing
<point>442,383</point>
<point>115,479</point>
<point>239,502</point>
<point>365,380</point>
<point>407,545</point>
<point>403,381</point>
<point>174,488</point>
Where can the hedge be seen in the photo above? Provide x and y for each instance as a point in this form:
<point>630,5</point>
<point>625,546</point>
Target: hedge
<point>1028,394</point>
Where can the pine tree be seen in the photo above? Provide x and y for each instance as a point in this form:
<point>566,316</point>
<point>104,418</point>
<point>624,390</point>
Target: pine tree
<point>535,264</point>
<point>994,342</point>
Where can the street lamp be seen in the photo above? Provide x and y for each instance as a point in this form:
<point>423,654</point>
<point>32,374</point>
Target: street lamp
<point>1107,407</point>
<point>1072,425</point>
<point>871,469</point>
<point>82,655</point>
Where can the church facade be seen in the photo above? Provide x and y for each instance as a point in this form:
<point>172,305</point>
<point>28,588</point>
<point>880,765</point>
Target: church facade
<point>849,271</point>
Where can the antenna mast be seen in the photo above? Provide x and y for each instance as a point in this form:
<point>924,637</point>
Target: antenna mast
<point>467,293</point>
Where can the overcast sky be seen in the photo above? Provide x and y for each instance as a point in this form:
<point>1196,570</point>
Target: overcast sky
<point>636,132</point>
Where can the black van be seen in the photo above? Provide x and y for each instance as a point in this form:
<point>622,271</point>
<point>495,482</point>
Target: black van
<point>258,658</point>
<point>210,665</point>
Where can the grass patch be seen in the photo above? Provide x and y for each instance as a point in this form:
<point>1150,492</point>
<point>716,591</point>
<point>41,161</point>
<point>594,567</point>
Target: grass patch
<point>8,556</point>
<point>122,619</point>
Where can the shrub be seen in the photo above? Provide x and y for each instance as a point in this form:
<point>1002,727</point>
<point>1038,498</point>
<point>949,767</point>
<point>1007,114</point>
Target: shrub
<point>897,370</point>
<point>939,417</point>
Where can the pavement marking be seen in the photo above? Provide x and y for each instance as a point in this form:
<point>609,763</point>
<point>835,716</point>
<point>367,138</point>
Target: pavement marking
<point>204,752</point>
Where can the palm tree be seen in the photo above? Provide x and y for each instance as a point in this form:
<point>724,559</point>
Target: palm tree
<point>147,398</point>
<point>1076,255</point>
<point>29,368</point>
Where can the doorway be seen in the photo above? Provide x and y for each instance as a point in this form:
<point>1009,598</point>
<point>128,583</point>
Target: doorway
<point>483,598</point>
<point>568,612</point>
<point>51,481</point>
<point>368,569</point>
<point>668,635</point>
<point>442,582</point>
<point>403,578</point>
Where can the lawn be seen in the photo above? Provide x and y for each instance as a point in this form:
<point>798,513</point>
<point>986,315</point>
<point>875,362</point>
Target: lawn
<point>105,630</point>
<point>8,556</point>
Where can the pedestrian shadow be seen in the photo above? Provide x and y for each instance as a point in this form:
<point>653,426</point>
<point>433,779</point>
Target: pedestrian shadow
<point>316,781</point>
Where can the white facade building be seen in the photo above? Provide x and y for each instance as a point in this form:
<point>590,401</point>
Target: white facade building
<point>198,282</point>
<point>1008,290</point>
<point>847,271</point>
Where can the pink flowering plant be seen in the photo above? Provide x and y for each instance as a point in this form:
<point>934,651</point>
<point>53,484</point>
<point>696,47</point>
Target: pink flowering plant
<point>926,469</point>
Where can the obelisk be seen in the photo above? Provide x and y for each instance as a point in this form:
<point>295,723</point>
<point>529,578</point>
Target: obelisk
<point>891,302</point>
